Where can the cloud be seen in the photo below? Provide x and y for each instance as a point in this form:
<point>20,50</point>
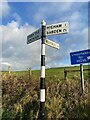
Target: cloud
<point>55,12</point>
<point>5,63</point>
<point>77,41</point>
<point>48,10</point>
<point>17,17</point>
<point>14,47</point>
<point>4,8</point>
<point>16,52</point>
<point>75,16</point>
<point>14,36</point>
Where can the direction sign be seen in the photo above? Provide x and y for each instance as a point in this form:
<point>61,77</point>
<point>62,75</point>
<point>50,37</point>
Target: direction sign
<point>51,43</point>
<point>53,29</point>
<point>34,36</point>
<point>80,57</point>
<point>59,28</point>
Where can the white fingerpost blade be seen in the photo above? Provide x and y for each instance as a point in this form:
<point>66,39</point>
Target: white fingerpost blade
<point>59,28</point>
<point>52,44</point>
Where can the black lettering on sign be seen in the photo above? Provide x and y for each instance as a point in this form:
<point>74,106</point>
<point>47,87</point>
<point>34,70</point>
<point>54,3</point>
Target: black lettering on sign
<point>60,30</point>
<point>51,27</point>
<point>64,30</point>
<point>55,31</point>
<point>47,32</point>
<point>65,24</point>
<point>50,32</point>
<point>60,25</point>
<point>57,26</point>
<point>32,34</point>
<point>47,27</point>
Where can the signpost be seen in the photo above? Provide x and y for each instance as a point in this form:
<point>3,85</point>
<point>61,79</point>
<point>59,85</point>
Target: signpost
<point>59,28</point>
<point>34,36</point>
<point>52,44</point>
<point>41,33</point>
<point>80,57</point>
<point>42,114</point>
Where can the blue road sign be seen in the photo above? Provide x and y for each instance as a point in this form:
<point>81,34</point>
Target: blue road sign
<point>80,57</point>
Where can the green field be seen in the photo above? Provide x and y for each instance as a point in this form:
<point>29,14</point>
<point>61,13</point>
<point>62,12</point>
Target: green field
<point>54,72</point>
<point>20,94</point>
<point>57,73</point>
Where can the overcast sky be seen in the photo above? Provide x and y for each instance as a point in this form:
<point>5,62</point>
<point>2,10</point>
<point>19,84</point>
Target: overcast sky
<point>20,19</point>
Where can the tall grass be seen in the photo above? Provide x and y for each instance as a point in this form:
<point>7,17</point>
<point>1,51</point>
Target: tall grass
<point>20,96</point>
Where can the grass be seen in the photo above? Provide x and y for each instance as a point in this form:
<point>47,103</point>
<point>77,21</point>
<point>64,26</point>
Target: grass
<point>20,95</point>
<point>58,73</point>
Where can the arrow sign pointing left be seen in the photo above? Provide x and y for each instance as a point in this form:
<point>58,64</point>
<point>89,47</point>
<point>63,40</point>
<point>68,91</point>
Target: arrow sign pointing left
<point>34,36</point>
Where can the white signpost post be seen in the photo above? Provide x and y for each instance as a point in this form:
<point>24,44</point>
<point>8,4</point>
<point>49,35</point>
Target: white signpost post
<point>46,30</point>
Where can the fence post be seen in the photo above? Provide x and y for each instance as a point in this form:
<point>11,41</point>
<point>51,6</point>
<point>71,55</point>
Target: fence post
<point>65,74</point>
<point>9,70</point>
<point>82,78</point>
<point>30,73</point>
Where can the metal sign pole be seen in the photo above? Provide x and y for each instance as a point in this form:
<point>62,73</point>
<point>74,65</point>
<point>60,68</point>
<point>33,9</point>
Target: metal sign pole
<point>42,114</point>
<point>82,78</point>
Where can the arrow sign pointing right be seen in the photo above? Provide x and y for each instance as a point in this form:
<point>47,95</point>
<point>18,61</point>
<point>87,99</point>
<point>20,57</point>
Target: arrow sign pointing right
<point>51,43</point>
<point>88,57</point>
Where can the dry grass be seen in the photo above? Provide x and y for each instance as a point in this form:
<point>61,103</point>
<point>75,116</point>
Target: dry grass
<point>63,98</point>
